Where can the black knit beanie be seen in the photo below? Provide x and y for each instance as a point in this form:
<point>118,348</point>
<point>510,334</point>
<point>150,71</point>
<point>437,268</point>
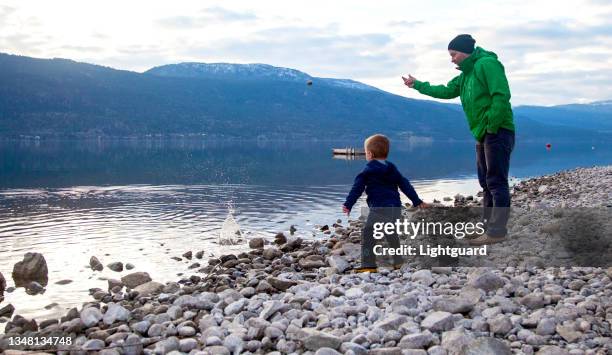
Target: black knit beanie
<point>462,43</point>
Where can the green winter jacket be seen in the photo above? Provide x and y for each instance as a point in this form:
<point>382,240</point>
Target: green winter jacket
<point>484,91</point>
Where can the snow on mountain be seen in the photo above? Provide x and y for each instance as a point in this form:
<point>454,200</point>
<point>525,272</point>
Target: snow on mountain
<point>249,71</point>
<point>227,70</point>
<point>601,103</point>
<point>347,83</point>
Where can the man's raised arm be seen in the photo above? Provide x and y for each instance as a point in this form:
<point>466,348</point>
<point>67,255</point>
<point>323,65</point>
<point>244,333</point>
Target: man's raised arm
<point>448,91</point>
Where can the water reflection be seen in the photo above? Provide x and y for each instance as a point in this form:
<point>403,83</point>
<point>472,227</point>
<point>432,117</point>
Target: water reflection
<point>159,162</point>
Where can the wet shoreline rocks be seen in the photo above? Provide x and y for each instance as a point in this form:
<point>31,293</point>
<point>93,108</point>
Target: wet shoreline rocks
<point>299,296</point>
<point>33,267</point>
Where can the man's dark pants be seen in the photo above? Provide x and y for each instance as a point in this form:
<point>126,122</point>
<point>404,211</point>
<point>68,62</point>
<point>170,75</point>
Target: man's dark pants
<point>493,162</point>
<point>379,215</point>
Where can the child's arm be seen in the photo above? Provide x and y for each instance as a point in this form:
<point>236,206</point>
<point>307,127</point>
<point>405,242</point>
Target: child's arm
<point>356,191</point>
<point>345,210</point>
<point>406,187</point>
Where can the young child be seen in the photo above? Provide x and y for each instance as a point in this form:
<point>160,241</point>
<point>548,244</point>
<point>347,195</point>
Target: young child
<point>380,180</point>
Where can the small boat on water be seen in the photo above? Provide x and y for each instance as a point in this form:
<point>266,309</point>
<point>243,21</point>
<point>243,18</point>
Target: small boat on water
<point>348,151</point>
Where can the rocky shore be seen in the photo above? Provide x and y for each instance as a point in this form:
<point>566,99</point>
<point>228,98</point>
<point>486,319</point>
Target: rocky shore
<point>297,296</point>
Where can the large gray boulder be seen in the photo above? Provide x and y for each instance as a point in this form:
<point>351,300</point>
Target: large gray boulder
<point>33,267</point>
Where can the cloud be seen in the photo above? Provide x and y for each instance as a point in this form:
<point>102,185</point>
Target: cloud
<point>222,14</point>
<point>181,22</point>
<point>560,31</point>
<point>551,35</point>
<point>562,87</point>
<point>5,14</point>
<point>99,36</point>
<point>146,49</point>
<point>137,61</point>
<point>25,43</point>
<point>6,10</point>
<point>538,43</point>
<point>206,16</point>
<point>405,23</point>
<point>82,48</point>
<point>600,2</point>
<point>319,51</point>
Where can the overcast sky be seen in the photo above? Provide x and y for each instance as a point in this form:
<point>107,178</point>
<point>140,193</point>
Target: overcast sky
<point>554,52</point>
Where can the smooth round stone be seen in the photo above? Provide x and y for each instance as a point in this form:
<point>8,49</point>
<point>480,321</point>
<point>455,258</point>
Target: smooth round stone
<point>214,341</point>
<point>142,327</point>
<point>186,345</point>
<point>93,344</point>
<point>186,331</point>
<point>253,345</point>
<point>273,332</point>
<point>155,330</point>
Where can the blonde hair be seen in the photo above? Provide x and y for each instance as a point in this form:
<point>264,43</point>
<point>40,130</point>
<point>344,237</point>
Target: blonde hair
<point>378,144</point>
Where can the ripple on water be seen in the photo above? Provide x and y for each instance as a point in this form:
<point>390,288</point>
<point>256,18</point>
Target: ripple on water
<point>139,223</point>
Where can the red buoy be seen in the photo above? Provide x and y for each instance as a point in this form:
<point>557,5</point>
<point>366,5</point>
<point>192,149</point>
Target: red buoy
<point>548,145</point>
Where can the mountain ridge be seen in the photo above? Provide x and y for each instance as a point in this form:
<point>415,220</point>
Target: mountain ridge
<point>62,97</point>
<point>249,71</point>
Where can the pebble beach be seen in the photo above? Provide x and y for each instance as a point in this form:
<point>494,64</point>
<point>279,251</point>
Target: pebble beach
<point>295,296</point>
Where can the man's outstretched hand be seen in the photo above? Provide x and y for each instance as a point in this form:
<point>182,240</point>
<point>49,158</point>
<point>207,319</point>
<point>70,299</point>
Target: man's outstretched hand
<point>409,81</point>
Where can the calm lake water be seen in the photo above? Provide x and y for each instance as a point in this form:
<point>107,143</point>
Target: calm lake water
<point>144,201</point>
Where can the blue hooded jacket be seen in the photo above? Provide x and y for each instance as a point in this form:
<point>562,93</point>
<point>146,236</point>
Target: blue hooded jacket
<point>380,182</point>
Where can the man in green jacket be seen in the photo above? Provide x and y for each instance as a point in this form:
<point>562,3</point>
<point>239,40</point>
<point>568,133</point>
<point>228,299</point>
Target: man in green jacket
<point>485,97</point>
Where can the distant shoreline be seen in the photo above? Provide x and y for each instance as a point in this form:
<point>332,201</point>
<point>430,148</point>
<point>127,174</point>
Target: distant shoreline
<point>356,140</point>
